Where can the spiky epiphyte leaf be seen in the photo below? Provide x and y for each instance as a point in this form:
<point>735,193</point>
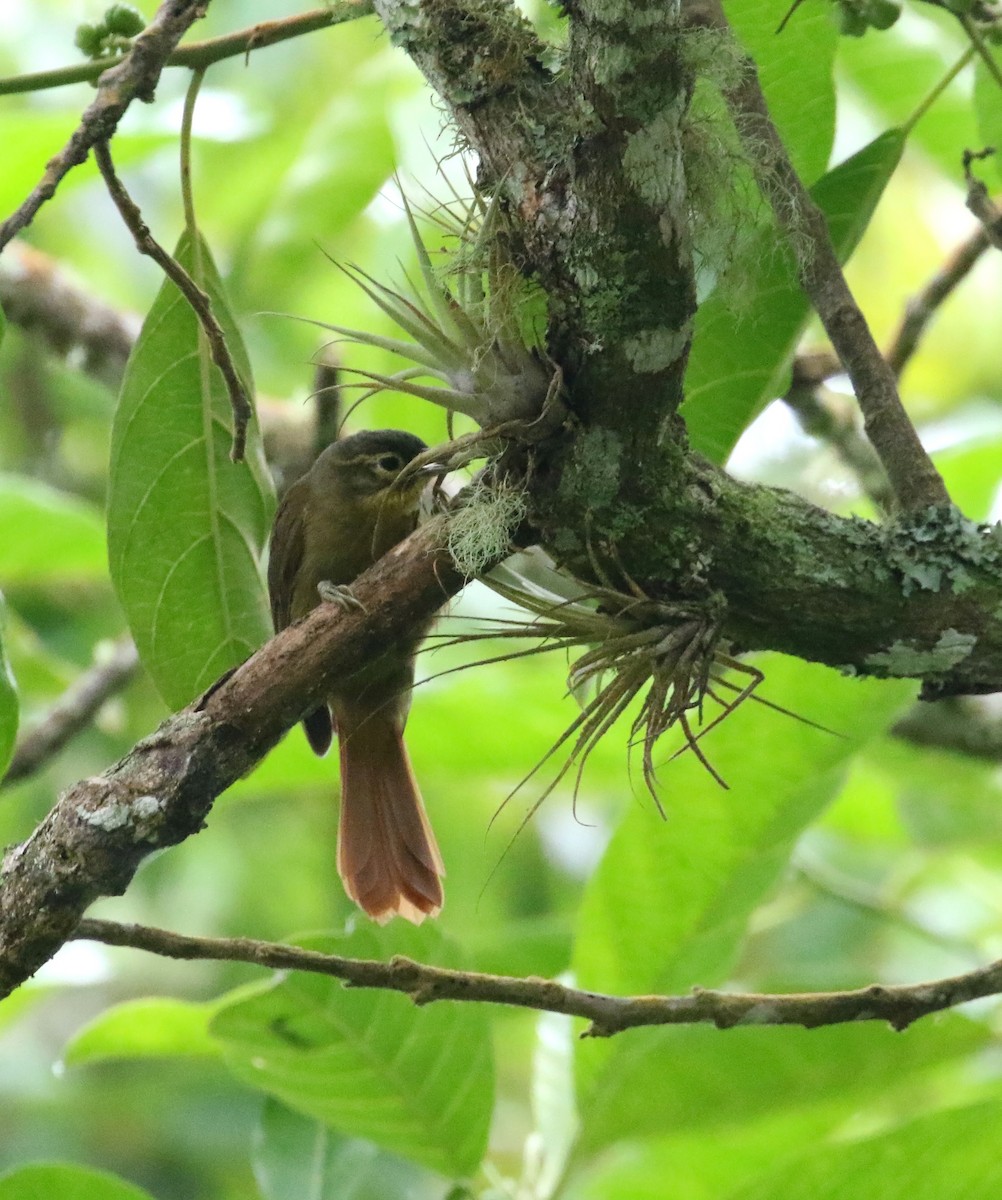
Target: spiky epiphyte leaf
<point>629,647</point>
<point>465,333</point>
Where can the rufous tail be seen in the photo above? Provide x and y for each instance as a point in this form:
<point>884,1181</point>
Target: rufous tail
<point>387,855</point>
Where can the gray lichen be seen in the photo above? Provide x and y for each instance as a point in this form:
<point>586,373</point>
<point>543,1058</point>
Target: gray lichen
<point>480,533</point>
<point>939,548</point>
<point>908,660</point>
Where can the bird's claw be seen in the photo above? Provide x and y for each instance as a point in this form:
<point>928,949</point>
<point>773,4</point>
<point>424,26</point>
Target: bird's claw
<point>341,595</point>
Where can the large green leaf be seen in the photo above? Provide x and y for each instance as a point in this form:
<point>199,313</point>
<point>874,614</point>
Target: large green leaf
<point>988,106</point>
<point>8,700</point>
<point>44,1181</point>
<point>666,1081</point>
<point>418,1082</point>
<point>48,536</point>
<point>741,353</point>
<point>186,526</point>
<point>668,905</point>
<point>700,1167</point>
<point>795,69</point>
<point>156,1027</point>
<point>306,1159</point>
<point>946,1156</point>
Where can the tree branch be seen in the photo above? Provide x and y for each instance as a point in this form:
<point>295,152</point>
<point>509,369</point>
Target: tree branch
<point>198,300</point>
<point>199,55</point>
<point>135,77</point>
<point>899,1006</point>
<point>940,626</point>
<point>160,793</point>
<point>914,479</point>
<point>922,308</point>
<point>979,201</point>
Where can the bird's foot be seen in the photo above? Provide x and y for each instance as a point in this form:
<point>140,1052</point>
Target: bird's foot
<point>341,595</point>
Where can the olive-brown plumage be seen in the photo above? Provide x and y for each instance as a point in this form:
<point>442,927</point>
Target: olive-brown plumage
<point>332,524</point>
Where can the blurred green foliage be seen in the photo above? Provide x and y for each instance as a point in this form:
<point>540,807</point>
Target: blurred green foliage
<point>831,862</point>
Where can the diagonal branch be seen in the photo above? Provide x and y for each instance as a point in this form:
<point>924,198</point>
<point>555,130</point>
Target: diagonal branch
<point>922,307</point>
<point>198,300</point>
<point>101,829</point>
<point>135,77</point>
<point>915,481</point>
<point>898,1005</point>
<point>783,561</point>
<point>978,199</point>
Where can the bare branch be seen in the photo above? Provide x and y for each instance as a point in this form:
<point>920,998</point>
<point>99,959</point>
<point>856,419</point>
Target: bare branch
<point>73,711</point>
<point>922,308</point>
<point>135,77</point>
<point>102,828</point>
<point>915,480</point>
<point>978,200</point>
<point>898,1005</point>
<point>200,303</point>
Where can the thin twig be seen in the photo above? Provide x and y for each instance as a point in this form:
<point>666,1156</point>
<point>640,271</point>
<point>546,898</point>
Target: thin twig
<point>978,199</point>
<point>981,46</point>
<point>922,308</point>
<point>915,480</point>
<point>199,301</point>
<point>898,1005</point>
<point>199,55</point>
<point>135,77</point>
<point>73,711</point>
<point>92,841</point>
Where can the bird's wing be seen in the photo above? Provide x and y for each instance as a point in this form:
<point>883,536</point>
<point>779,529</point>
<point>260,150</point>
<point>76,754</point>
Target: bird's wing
<point>286,551</point>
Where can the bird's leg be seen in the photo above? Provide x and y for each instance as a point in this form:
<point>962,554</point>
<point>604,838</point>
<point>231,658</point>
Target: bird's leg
<point>341,595</point>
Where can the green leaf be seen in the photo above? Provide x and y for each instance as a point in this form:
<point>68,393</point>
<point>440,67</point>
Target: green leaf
<point>988,106</point>
<point>186,526</point>
<point>949,1154</point>
<point>294,1156</point>
<point>668,905</point>
<point>741,359</point>
<point>418,1082</point>
<point>21,1002</point>
<point>45,1181</point>
<point>157,1027</point>
<point>896,73</point>
<point>8,699</point>
<point>661,1081</point>
<point>48,536</point>
<point>700,1167</point>
<point>795,68</point>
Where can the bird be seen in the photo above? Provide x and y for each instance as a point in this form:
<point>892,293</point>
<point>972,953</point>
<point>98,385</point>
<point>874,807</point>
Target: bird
<point>353,505</point>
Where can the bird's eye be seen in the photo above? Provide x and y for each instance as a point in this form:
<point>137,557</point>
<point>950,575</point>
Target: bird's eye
<point>389,462</point>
